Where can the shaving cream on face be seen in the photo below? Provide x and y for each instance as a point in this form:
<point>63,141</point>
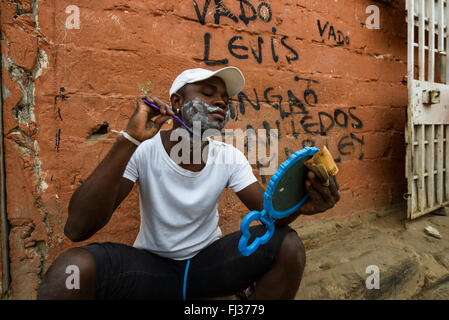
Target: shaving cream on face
<point>198,110</point>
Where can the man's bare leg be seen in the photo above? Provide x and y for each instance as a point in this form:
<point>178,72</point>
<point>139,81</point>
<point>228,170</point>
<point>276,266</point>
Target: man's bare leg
<point>53,286</point>
<point>283,280</point>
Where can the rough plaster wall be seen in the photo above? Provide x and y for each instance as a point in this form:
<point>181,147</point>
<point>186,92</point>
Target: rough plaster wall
<point>313,71</point>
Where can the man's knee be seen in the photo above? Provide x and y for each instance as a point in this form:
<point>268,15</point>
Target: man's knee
<point>71,276</point>
<point>293,252</point>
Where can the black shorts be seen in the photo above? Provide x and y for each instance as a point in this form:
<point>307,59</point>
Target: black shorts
<point>125,272</point>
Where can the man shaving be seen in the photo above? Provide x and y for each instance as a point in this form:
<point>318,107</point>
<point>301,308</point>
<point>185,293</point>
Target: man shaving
<point>179,252</point>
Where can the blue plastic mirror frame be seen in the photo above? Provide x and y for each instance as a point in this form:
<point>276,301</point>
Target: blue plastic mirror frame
<point>269,215</point>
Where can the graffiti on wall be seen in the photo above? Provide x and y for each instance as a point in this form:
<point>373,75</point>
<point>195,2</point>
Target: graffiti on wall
<point>303,119</point>
<point>239,46</point>
<point>299,111</point>
<point>329,33</point>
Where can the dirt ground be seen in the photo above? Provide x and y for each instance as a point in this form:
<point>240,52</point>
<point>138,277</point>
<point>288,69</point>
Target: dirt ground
<point>411,264</point>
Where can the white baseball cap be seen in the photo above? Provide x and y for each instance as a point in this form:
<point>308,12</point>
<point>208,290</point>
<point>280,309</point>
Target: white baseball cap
<point>231,76</point>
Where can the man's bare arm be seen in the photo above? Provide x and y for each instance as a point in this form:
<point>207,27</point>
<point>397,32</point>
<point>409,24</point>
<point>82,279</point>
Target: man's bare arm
<point>321,198</point>
<point>252,196</point>
<point>93,203</point>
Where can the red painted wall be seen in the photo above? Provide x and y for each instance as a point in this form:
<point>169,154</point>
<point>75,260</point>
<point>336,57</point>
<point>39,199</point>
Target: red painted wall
<point>313,70</point>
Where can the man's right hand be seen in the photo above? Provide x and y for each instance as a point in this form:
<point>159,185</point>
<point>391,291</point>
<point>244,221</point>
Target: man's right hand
<point>140,126</point>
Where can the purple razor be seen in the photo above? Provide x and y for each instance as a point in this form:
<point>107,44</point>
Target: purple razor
<point>173,116</point>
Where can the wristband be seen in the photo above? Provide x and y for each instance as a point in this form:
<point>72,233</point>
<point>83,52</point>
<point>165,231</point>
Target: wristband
<point>127,136</point>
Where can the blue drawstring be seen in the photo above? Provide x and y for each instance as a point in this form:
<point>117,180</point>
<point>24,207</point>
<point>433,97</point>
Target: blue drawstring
<point>184,286</point>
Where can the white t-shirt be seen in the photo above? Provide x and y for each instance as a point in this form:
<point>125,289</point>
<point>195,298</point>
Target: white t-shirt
<point>178,207</point>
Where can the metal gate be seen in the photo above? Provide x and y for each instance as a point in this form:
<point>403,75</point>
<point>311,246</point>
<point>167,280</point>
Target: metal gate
<point>427,131</point>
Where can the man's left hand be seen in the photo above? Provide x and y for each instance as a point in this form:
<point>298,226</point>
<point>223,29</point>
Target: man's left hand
<point>321,198</point>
